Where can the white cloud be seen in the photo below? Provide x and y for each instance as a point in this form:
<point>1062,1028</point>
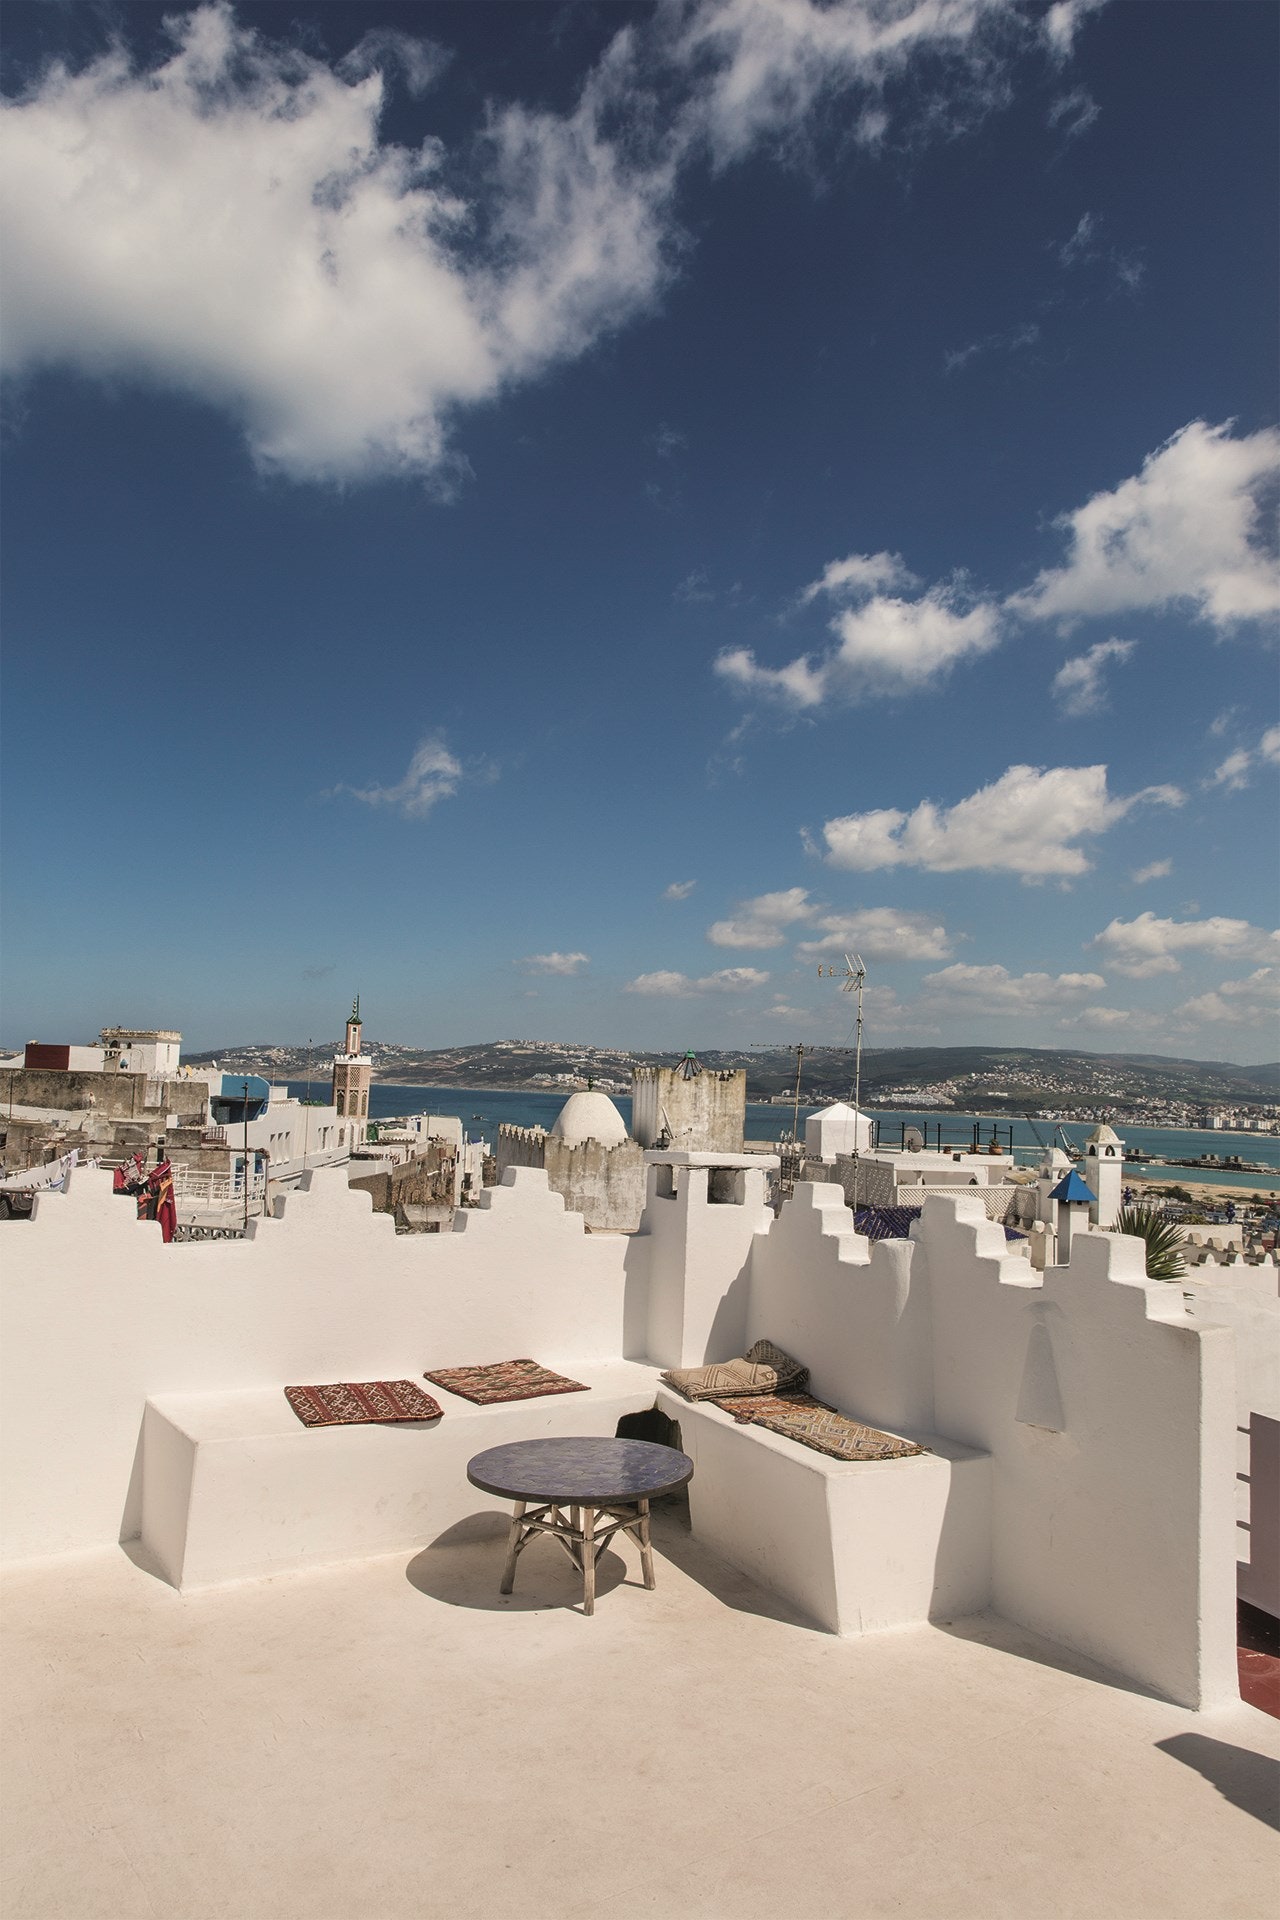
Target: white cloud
<point>1010,341</point>
<point>679,890</point>
<point>1078,684</point>
<point>993,989</point>
<point>1233,773</point>
<point>565,964</point>
<point>1147,946</point>
<point>879,933</point>
<point>1154,870</point>
<point>1189,528</point>
<point>761,922</point>
<point>433,774</point>
<point>1080,245</point>
<point>861,573</point>
<point>230,222</point>
<point>1252,1002</point>
<point>680,985</point>
<point>885,646</point>
<point>1027,822</point>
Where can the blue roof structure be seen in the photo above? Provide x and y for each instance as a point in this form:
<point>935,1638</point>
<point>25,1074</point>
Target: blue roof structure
<point>1072,1188</point>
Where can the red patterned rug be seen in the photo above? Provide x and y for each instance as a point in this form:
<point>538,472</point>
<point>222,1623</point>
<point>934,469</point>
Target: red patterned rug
<point>503,1380</point>
<point>351,1403</point>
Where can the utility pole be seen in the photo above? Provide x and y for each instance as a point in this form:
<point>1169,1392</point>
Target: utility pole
<point>854,979</point>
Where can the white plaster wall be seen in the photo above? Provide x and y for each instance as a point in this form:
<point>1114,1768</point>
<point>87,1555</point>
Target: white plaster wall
<point>697,1260</point>
<point>98,1316</point>
<point>1110,1418</point>
<point>856,1314</point>
<point>1244,1299</point>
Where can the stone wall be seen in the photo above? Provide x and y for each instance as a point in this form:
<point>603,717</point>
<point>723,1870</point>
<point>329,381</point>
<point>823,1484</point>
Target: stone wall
<point>604,1184</point>
<point>704,1114</point>
<point>124,1096</point>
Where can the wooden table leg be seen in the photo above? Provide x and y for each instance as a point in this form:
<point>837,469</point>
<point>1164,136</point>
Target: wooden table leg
<point>646,1550</point>
<point>513,1548</point>
<point>588,1559</point>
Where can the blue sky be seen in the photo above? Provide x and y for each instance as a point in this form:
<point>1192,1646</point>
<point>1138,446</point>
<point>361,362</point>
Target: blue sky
<point>567,519</point>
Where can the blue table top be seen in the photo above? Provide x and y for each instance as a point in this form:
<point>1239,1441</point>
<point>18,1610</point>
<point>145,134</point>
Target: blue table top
<point>585,1471</point>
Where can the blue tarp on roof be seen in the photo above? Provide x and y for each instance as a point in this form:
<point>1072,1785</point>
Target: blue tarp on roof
<point>1072,1188</point>
<point>885,1223</point>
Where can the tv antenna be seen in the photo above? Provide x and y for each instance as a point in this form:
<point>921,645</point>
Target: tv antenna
<point>800,1048</point>
<point>852,979</point>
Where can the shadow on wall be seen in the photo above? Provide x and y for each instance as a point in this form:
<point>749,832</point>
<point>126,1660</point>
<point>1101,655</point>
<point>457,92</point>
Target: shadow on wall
<point>1250,1781</point>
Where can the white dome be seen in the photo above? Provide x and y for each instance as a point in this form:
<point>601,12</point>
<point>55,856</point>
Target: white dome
<point>1103,1136</point>
<point>589,1116</point>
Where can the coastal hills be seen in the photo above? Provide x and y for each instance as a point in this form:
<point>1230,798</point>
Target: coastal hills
<point>1033,1079</point>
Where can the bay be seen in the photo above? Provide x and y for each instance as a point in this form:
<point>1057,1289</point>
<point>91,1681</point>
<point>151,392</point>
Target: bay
<point>482,1111</point>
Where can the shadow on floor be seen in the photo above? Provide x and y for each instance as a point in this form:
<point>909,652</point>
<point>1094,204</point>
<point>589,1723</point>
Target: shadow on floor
<point>1250,1781</point>
<point>675,1542</point>
<point>463,1566</point>
<point>1005,1636</point>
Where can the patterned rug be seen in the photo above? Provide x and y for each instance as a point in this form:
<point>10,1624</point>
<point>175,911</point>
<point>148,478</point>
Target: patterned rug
<point>503,1380</point>
<point>834,1434</point>
<point>352,1403</point>
<point>746,1407</point>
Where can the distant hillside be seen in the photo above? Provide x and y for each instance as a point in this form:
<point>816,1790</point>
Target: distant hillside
<point>1025,1079</point>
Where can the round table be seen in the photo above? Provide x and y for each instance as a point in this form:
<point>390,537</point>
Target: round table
<point>579,1480</point>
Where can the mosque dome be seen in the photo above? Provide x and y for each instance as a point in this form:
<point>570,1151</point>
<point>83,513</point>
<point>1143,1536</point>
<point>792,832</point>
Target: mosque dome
<point>589,1116</point>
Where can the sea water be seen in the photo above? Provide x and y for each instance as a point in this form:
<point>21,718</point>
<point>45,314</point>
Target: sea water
<point>482,1111</point>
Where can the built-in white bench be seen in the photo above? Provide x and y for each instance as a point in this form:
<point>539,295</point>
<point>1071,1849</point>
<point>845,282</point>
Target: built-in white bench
<point>234,1486</point>
<point>855,1544</point>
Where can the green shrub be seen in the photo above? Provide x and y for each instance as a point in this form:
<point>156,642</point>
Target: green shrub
<point>1165,1240</point>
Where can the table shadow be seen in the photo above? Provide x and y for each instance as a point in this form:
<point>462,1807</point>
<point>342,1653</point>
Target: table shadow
<point>463,1565</point>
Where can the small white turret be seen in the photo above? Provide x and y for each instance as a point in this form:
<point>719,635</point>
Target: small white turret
<point>1103,1170</point>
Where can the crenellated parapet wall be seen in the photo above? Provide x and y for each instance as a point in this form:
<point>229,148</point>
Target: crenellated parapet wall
<point>1106,1411</point>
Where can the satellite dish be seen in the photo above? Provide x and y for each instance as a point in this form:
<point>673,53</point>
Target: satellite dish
<point>913,1141</point>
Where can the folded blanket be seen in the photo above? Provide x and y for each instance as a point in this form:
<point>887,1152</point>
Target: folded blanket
<point>352,1403</point>
<point>764,1368</point>
<point>503,1380</point>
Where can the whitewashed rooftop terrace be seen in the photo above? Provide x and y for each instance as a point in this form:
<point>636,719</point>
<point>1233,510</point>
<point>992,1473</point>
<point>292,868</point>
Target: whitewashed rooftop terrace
<point>391,1737</point>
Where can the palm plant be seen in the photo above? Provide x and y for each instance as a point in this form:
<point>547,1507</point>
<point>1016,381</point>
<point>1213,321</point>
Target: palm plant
<point>1165,1240</point>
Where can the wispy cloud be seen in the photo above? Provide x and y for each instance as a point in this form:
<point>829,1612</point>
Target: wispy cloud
<point>667,985</point>
<point>566,965</point>
<point>1154,870</point>
<point>1078,685</point>
<point>433,774</point>
<point>1237,770</point>
<point>1072,114</point>
<point>679,890</point>
<point>1011,341</point>
<point>762,921</point>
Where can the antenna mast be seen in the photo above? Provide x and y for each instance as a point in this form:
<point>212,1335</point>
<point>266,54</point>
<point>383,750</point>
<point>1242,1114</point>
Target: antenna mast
<point>853,980</point>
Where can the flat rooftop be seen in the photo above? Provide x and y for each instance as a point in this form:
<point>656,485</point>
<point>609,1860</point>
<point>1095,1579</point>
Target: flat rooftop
<point>393,1737</point>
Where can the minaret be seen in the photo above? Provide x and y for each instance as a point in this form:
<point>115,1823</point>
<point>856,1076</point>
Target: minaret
<point>352,1072</point>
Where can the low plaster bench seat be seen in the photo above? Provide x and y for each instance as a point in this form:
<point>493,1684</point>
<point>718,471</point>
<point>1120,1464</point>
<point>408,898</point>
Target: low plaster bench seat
<point>858,1545</point>
<point>234,1486</point>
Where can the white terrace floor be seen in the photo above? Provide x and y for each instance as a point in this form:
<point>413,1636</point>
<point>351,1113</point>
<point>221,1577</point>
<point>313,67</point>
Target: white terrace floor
<point>390,1738</point>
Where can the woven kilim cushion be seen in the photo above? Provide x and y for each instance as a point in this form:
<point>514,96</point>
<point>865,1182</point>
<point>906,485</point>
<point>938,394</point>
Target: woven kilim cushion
<point>352,1403</point>
<point>834,1434</point>
<point>503,1380</point>
<point>746,1407</point>
<point>764,1369</point>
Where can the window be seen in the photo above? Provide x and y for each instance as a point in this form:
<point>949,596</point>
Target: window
<point>341,1101</point>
